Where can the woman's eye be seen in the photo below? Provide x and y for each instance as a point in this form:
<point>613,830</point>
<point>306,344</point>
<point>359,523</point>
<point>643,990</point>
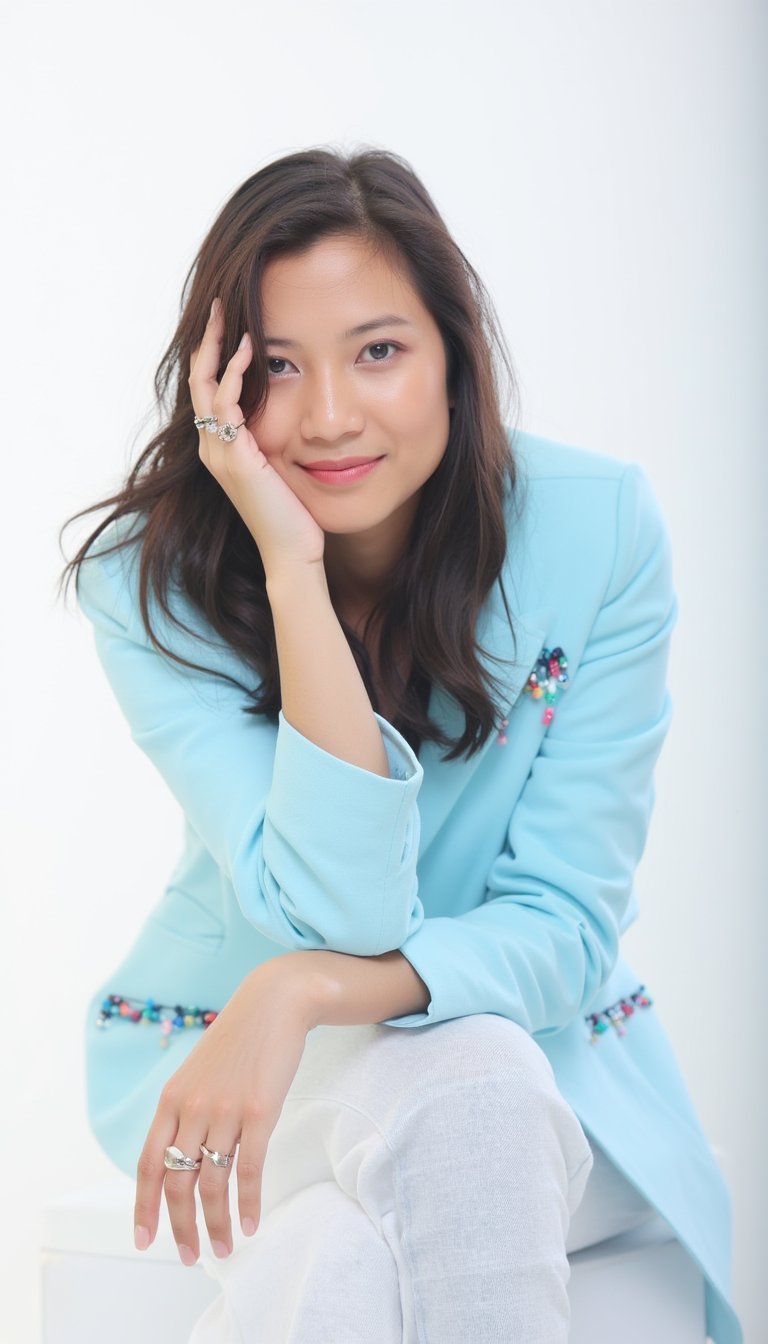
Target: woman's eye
<point>378,351</point>
<point>276,365</point>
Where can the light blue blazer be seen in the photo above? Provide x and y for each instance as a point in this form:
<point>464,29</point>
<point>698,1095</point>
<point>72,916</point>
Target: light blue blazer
<point>506,880</point>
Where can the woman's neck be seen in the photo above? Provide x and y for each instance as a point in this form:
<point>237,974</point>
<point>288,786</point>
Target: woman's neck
<point>359,565</point>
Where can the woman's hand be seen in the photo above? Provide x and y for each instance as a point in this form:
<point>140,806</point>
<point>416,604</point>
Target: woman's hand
<point>230,1089</point>
<point>283,529</point>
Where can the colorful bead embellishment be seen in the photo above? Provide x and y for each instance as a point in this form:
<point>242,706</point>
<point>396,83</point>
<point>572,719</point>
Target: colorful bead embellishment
<point>145,1011</point>
<point>548,679</point>
<point>616,1015</point>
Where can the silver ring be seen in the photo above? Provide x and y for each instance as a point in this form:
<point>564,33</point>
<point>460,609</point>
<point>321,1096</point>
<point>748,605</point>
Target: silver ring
<point>208,422</point>
<point>175,1160</point>
<point>228,432</point>
<point>218,1159</point>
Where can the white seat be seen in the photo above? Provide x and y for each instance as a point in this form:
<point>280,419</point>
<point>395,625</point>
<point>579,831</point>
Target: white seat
<point>96,1286</point>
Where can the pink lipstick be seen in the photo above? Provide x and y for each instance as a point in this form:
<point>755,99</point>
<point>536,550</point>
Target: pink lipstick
<point>343,472</point>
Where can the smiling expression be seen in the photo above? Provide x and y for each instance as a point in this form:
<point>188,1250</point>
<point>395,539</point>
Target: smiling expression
<point>357,370</point>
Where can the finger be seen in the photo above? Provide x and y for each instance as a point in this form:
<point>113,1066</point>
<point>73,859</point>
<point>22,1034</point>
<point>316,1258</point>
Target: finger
<point>180,1193</point>
<point>150,1176</point>
<point>250,1166</point>
<point>213,1189</point>
<point>226,401</point>
<point>204,367</point>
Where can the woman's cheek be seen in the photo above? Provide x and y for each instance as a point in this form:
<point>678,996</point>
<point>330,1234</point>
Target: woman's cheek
<point>419,391</point>
<point>265,429</point>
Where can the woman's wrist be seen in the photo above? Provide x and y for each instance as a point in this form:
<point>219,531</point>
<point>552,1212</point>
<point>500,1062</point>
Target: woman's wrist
<point>283,576</point>
<point>339,989</point>
<point>289,988</point>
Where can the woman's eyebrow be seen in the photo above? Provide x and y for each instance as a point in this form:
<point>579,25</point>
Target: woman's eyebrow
<point>388,320</point>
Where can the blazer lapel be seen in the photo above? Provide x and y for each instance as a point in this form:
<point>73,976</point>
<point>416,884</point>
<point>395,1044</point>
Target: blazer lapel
<point>443,781</point>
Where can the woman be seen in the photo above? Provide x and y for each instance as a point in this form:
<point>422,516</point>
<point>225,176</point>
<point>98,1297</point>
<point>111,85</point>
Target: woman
<point>405,673</point>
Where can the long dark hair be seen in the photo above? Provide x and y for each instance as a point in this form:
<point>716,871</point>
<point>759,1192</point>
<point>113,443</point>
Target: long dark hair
<point>191,532</point>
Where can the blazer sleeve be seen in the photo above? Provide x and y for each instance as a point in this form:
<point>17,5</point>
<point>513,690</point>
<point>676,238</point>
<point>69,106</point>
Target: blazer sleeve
<point>545,937</point>
<point>320,853</point>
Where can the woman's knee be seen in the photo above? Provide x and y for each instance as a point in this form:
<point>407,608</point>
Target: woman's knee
<point>472,1050</point>
<point>395,1063</point>
<point>479,1079</point>
<point>480,1074</point>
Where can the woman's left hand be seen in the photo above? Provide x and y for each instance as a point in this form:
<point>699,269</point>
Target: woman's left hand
<point>230,1089</point>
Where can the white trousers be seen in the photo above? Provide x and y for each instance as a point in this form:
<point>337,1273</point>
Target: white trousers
<point>423,1185</point>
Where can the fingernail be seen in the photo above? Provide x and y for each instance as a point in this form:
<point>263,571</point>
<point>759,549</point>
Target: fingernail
<point>187,1255</point>
<point>220,1249</point>
<point>214,310</point>
<point>248,1226</point>
<point>244,341</point>
<point>140,1237</point>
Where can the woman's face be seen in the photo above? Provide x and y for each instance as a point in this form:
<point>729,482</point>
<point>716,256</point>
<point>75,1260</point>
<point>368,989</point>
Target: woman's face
<point>357,369</point>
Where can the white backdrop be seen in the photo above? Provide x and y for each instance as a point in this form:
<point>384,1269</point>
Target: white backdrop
<point>600,164</point>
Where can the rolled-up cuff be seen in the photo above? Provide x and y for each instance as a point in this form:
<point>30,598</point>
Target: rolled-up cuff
<point>321,807</point>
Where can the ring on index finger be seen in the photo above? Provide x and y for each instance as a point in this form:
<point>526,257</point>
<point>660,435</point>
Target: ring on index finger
<point>176,1160</point>
<point>218,1159</point>
<point>208,422</point>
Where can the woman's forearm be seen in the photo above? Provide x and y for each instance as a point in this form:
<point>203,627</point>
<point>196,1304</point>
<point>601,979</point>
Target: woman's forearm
<point>324,698</point>
<point>338,989</point>
<point>323,695</point>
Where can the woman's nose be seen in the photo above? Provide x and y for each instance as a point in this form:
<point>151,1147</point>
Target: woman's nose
<point>332,408</point>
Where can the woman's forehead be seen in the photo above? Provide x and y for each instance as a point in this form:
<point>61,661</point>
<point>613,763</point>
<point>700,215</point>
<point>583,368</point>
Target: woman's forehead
<point>338,274</point>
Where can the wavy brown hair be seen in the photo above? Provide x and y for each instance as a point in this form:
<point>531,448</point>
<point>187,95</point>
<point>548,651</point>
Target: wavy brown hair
<point>190,532</point>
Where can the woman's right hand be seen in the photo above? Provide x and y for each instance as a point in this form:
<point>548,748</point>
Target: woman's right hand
<point>282,527</point>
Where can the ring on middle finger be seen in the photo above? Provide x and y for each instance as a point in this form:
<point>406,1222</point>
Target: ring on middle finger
<point>228,432</point>
<point>218,1159</point>
<point>208,422</point>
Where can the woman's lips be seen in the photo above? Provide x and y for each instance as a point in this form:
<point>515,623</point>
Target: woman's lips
<point>342,475</point>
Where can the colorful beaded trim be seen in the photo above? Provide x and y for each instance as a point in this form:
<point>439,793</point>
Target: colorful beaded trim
<point>617,1014</point>
<point>145,1011</point>
<point>548,679</point>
